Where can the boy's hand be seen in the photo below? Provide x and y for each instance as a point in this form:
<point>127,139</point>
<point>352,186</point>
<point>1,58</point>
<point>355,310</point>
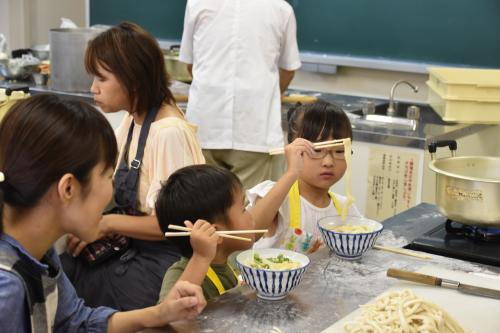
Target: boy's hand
<point>294,153</point>
<point>203,239</point>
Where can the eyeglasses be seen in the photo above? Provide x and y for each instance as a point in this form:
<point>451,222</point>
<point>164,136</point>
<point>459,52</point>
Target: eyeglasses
<point>337,154</point>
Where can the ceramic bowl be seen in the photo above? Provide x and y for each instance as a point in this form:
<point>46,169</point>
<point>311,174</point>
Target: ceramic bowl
<point>271,284</point>
<point>350,246</point>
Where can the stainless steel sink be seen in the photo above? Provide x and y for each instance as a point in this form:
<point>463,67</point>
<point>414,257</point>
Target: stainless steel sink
<point>400,119</point>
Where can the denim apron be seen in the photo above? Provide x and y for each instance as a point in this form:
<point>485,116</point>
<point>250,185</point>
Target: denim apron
<point>132,280</point>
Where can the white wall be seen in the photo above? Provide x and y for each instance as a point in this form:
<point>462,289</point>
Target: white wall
<point>46,14</point>
<point>26,23</point>
<point>363,82</point>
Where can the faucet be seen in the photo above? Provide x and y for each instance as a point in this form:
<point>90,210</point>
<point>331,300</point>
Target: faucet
<point>390,110</point>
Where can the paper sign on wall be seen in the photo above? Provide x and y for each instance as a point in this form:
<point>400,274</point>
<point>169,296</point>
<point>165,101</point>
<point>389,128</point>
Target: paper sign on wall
<point>392,182</point>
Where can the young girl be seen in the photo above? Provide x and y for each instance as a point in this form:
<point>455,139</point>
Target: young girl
<point>154,140</point>
<point>56,167</point>
<point>214,197</point>
<point>294,222</point>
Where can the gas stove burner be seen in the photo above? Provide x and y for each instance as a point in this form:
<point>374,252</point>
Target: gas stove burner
<point>473,232</point>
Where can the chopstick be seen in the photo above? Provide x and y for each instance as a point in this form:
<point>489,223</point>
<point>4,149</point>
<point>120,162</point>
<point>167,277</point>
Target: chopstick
<point>317,145</point>
<point>179,234</point>
<point>223,232</point>
<point>402,251</point>
<point>226,234</point>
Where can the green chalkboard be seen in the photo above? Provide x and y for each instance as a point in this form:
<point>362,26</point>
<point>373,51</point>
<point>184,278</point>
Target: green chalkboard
<point>163,18</point>
<point>454,32</point>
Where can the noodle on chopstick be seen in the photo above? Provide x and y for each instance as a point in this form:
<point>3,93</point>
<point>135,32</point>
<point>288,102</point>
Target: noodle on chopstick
<point>349,196</point>
<point>402,311</point>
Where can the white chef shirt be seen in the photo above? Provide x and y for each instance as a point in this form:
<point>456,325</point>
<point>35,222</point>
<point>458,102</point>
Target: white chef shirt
<point>236,48</point>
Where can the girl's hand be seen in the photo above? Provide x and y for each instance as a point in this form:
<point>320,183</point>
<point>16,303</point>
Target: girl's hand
<point>294,153</point>
<point>184,301</point>
<point>203,239</point>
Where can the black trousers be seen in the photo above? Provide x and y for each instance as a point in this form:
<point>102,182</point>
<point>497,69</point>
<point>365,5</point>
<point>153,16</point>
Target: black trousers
<point>125,282</point>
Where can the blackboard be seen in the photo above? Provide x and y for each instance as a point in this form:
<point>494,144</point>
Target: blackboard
<point>453,32</point>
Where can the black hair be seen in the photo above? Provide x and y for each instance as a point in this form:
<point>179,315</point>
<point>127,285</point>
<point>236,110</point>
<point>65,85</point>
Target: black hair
<point>195,192</point>
<point>44,137</point>
<point>318,121</point>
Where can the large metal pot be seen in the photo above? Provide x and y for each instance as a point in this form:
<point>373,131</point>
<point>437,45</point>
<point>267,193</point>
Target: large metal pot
<point>467,187</point>
<point>67,53</point>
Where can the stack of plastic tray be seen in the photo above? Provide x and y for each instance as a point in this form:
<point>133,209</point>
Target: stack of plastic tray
<point>465,95</point>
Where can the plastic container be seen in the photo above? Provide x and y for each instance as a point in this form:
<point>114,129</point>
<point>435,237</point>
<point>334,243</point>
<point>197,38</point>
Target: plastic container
<point>466,83</point>
<point>463,110</point>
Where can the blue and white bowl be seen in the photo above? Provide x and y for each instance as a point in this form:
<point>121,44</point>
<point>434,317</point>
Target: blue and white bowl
<point>350,246</point>
<point>271,284</point>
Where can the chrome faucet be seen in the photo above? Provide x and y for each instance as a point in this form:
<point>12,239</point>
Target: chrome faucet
<point>390,110</point>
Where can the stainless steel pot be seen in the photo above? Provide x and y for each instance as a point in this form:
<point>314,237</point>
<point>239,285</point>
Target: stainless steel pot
<point>467,187</point>
<point>67,52</point>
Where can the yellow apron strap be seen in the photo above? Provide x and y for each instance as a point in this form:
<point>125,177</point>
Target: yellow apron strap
<point>336,203</point>
<point>294,201</point>
<point>212,276</point>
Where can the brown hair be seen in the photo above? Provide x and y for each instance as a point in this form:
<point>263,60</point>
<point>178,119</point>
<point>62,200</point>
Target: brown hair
<point>135,58</point>
<point>318,121</point>
<point>44,137</point>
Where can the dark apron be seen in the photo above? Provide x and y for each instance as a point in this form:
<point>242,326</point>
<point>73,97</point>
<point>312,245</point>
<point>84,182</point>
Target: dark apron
<point>132,280</point>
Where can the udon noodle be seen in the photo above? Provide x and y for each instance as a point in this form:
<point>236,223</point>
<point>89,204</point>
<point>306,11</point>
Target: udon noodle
<point>351,229</point>
<point>278,263</point>
<point>402,311</point>
<point>349,197</point>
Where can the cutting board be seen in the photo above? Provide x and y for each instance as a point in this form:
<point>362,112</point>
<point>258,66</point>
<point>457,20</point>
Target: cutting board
<point>474,313</point>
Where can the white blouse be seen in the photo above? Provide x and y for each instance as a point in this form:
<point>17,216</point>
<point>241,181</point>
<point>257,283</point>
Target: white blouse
<point>172,144</point>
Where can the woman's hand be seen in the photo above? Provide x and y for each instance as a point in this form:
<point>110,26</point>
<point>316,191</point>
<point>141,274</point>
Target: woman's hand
<point>294,153</point>
<point>184,301</point>
<point>203,239</point>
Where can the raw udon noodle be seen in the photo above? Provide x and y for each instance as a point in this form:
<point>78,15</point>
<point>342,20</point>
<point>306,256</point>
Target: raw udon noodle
<point>351,229</point>
<point>349,198</point>
<point>278,263</point>
<point>402,311</point>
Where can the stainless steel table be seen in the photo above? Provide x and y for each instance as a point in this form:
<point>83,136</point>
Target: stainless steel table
<point>331,287</point>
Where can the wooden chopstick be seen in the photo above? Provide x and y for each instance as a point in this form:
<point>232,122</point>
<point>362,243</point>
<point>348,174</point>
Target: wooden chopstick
<point>402,251</point>
<point>323,144</point>
<point>179,234</point>
<point>222,232</point>
<point>188,233</point>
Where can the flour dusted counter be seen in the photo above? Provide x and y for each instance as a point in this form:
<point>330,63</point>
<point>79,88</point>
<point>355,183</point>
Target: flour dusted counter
<point>332,288</point>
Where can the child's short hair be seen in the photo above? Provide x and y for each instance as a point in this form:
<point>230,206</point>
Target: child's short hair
<point>318,121</point>
<point>195,192</point>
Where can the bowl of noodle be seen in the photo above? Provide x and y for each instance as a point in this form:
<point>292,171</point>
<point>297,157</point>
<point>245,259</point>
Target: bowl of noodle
<point>349,238</point>
<point>272,273</point>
